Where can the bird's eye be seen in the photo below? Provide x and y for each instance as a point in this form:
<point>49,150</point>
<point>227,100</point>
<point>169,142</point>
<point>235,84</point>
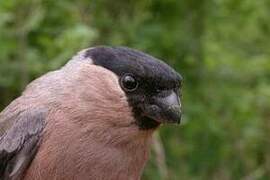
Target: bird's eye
<point>129,83</point>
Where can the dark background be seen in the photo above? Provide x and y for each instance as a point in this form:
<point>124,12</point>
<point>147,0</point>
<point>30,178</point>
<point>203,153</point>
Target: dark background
<point>221,47</point>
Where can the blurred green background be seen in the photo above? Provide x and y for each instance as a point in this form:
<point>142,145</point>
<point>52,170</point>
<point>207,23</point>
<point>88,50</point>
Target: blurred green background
<point>221,47</point>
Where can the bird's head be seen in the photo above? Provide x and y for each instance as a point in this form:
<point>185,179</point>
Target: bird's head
<point>152,87</point>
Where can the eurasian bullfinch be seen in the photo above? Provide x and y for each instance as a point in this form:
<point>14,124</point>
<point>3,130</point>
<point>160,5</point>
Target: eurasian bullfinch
<point>90,120</point>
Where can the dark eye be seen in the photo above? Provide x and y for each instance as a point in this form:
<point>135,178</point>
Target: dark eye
<point>129,83</point>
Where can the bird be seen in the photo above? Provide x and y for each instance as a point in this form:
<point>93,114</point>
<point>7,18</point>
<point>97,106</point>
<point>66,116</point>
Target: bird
<point>92,119</point>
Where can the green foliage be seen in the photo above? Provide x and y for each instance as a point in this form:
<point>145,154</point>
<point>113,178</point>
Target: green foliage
<point>221,47</point>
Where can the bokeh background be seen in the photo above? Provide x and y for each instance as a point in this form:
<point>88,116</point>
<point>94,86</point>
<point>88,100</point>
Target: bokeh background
<point>221,47</point>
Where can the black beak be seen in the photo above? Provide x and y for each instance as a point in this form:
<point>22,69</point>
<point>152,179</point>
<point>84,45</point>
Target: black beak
<point>164,108</point>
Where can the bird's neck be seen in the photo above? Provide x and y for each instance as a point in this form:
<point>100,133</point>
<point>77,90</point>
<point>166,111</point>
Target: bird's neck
<point>122,152</point>
<point>120,157</point>
<point>94,152</point>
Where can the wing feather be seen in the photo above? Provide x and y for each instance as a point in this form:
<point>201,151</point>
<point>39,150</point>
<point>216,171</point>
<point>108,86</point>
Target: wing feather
<point>19,141</point>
